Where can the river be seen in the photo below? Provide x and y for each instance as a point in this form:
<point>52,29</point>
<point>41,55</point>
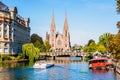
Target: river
<point>69,68</point>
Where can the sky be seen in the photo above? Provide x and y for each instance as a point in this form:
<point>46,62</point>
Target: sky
<point>87,19</point>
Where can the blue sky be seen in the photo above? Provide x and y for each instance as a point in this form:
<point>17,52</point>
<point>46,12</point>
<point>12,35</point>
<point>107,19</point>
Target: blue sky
<point>87,19</point>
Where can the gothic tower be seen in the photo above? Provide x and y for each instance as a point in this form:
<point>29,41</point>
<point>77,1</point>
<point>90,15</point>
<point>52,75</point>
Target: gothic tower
<point>66,35</point>
<point>52,38</point>
<point>59,42</point>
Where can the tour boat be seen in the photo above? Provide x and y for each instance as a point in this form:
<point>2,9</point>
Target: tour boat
<point>43,65</point>
<point>98,63</point>
<point>110,64</point>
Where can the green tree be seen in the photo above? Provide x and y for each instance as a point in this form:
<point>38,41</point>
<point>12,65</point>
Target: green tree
<point>47,45</point>
<point>80,47</point>
<point>35,37</point>
<point>118,5</point>
<point>114,45</point>
<point>101,48</point>
<point>91,48</point>
<point>40,46</point>
<point>90,41</point>
<point>104,39</point>
<point>30,51</point>
<point>77,48</point>
<point>37,44</point>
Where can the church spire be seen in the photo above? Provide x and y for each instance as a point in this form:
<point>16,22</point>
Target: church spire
<point>65,22</point>
<point>53,22</point>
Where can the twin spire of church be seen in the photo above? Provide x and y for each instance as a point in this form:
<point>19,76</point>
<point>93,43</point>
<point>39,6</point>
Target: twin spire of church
<point>53,21</point>
<point>65,22</point>
<point>59,42</point>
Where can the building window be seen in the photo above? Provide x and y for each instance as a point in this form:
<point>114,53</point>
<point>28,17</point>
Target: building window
<point>5,44</point>
<point>6,50</point>
<point>0,50</point>
<point>65,45</point>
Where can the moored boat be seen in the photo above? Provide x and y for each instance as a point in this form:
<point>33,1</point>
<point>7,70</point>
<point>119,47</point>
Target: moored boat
<point>43,65</point>
<point>110,64</point>
<point>98,63</point>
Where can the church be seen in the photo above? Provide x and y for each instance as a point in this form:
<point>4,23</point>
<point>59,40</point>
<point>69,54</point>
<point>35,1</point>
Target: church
<point>59,42</point>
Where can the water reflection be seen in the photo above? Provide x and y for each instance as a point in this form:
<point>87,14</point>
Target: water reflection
<point>67,60</point>
<point>117,76</point>
<point>65,69</point>
<point>16,64</point>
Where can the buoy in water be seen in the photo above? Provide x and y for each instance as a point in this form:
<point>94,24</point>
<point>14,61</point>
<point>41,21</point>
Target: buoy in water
<point>83,72</point>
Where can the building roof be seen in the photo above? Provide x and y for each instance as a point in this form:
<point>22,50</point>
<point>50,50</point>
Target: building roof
<point>97,59</point>
<point>3,7</point>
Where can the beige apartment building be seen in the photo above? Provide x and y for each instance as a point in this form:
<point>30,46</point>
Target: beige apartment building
<point>14,30</point>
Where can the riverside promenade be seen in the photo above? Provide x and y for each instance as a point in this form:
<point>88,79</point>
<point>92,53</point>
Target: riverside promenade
<point>118,68</point>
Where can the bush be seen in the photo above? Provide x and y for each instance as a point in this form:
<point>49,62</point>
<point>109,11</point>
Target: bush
<point>20,56</point>
<point>6,57</point>
<point>12,58</point>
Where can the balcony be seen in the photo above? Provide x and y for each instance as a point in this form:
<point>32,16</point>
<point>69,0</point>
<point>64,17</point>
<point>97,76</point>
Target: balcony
<point>5,37</point>
<point>6,20</point>
<point>1,19</point>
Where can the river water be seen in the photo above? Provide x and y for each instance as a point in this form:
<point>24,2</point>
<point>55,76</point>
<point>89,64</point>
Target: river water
<point>70,68</point>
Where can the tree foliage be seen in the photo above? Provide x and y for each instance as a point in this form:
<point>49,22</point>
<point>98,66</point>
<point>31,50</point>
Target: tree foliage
<point>118,5</point>
<point>90,48</point>
<point>37,44</point>
<point>101,48</point>
<point>77,48</point>
<point>114,45</point>
<point>35,37</point>
<point>104,39</point>
<point>42,48</point>
<point>30,51</point>
<point>47,45</point>
<point>93,47</point>
<point>90,41</point>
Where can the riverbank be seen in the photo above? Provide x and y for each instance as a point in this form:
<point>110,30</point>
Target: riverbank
<point>66,68</point>
<point>14,61</point>
<point>118,68</point>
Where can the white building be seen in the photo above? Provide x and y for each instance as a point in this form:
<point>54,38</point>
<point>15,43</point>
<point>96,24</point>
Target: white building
<point>14,30</point>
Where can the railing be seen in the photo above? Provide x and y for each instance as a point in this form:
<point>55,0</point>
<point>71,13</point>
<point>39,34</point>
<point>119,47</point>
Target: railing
<point>63,53</point>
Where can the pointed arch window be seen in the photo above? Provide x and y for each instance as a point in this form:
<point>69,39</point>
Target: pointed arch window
<point>65,45</point>
<point>52,32</point>
<point>59,42</point>
<point>66,33</point>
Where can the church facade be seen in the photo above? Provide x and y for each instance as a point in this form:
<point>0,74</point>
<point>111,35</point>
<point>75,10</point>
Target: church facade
<point>59,42</point>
